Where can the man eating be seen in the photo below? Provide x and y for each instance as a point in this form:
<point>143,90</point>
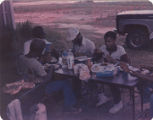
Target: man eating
<point>113,53</point>
<point>81,45</point>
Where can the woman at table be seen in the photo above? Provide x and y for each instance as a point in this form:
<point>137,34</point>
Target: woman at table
<point>37,74</point>
<point>113,53</point>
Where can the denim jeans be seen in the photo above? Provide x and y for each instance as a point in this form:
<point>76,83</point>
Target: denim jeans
<point>147,92</point>
<point>116,93</point>
<point>65,87</point>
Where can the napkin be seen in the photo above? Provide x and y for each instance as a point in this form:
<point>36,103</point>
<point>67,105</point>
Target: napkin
<point>60,71</point>
<point>131,78</point>
<point>83,71</point>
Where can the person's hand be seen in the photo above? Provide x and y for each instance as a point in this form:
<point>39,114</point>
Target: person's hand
<point>124,66</point>
<point>12,90</point>
<point>28,85</point>
<point>16,90</point>
<point>143,67</point>
<point>98,51</point>
<point>142,77</point>
<point>110,59</point>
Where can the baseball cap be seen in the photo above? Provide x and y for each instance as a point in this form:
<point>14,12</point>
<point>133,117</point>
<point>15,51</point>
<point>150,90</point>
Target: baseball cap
<point>72,33</point>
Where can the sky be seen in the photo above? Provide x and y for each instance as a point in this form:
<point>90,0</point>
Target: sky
<point>151,1</point>
<point>1,1</point>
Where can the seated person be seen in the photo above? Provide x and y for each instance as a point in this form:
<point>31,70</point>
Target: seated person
<point>37,74</point>
<point>81,45</point>
<point>9,100</point>
<point>98,56</point>
<point>37,32</point>
<point>13,103</point>
<point>146,79</point>
<point>113,53</point>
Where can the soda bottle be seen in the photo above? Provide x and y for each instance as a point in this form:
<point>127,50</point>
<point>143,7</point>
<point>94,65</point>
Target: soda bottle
<point>70,59</point>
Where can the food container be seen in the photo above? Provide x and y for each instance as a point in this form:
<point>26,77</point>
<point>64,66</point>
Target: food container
<point>105,74</point>
<point>104,71</point>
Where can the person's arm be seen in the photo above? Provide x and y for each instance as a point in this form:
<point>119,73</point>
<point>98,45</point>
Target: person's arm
<point>124,66</point>
<point>42,74</point>
<point>91,48</point>
<point>109,59</point>
<point>50,74</point>
<point>141,76</point>
<point>125,58</point>
<point>98,55</point>
<point>147,67</point>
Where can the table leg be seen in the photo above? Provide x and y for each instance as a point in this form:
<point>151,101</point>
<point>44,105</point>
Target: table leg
<point>77,87</point>
<point>130,94</point>
<point>133,104</point>
<point>141,94</point>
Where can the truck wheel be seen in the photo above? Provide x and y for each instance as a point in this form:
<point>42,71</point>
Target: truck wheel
<point>137,39</point>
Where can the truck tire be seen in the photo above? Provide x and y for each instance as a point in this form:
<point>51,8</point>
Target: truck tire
<point>137,38</point>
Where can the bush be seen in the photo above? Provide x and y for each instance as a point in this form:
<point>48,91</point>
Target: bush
<point>23,33</point>
<point>6,40</point>
<point>57,37</point>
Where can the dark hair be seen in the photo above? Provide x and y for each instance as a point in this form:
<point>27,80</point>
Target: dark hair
<point>38,32</point>
<point>110,34</point>
<point>37,45</point>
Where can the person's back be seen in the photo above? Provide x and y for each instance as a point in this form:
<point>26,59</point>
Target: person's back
<point>33,69</point>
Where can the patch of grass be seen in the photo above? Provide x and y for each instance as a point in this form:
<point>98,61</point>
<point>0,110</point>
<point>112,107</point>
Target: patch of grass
<point>6,40</point>
<point>23,33</point>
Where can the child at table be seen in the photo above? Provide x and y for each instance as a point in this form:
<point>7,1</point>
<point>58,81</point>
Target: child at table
<point>113,53</point>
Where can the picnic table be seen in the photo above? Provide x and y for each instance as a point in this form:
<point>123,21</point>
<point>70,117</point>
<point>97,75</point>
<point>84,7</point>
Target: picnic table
<point>121,80</point>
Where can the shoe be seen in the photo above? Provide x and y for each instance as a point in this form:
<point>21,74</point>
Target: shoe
<point>116,108</point>
<point>102,99</point>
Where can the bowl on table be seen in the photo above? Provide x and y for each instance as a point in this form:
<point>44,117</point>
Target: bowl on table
<point>105,74</point>
<point>104,71</point>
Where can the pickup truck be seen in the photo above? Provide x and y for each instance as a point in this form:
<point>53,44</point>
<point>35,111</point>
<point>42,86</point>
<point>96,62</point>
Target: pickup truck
<point>137,25</point>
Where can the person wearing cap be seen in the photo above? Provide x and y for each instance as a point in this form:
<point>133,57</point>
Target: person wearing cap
<point>37,32</point>
<point>81,45</point>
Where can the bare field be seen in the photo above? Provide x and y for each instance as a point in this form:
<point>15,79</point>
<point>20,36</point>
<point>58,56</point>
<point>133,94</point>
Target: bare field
<point>93,19</point>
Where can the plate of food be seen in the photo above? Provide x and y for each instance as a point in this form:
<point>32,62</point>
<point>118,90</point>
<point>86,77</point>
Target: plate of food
<point>104,71</point>
<point>96,68</point>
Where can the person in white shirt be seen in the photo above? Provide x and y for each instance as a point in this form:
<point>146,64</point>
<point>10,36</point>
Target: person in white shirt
<point>81,45</point>
<point>113,53</point>
<point>37,32</point>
